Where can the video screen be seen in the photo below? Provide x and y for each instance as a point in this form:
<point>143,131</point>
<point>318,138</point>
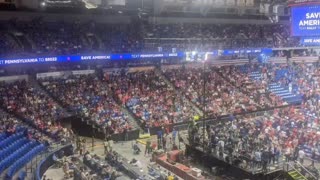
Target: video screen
<point>305,21</point>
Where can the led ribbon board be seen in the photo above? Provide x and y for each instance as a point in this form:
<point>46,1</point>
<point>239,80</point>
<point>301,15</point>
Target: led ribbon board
<point>79,58</point>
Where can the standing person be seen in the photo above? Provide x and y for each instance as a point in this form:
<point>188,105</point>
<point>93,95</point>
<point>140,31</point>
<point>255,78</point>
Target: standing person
<point>105,144</point>
<point>164,143</point>
<point>252,161</point>
<point>277,153</point>
<point>287,154</point>
<point>272,154</point>
<point>265,159</point>
<point>78,143</point>
<point>313,156</point>
<point>148,148</point>
<point>160,138</point>
<point>108,144</point>
<point>81,150</point>
<point>301,155</point>
<point>174,135</point>
<point>84,145</point>
<point>257,156</point>
<point>221,146</point>
<point>296,153</point>
<point>125,135</point>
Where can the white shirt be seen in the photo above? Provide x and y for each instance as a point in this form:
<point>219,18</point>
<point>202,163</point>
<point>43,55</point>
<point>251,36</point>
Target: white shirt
<point>301,154</point>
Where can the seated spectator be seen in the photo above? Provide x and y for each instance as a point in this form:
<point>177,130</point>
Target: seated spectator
<point>221,96</point>
<point>33,104</point>
<point>90,98</point>
<point>150,98</point>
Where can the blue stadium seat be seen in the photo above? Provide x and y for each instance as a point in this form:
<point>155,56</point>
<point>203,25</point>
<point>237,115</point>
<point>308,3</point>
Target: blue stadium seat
<point>24,159</point>
<point>22,175</point>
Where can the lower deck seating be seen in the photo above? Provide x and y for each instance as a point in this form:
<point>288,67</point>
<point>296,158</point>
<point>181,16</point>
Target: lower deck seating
<point>16,150</point>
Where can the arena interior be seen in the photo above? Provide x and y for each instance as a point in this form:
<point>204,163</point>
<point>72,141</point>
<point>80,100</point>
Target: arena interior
<point>159,89</point>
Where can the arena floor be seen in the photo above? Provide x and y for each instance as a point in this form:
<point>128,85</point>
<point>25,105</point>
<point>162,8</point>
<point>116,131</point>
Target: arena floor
<point>125,149</point>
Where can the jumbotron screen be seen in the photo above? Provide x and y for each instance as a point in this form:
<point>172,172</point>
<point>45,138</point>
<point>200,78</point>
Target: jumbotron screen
<point>305,20</point>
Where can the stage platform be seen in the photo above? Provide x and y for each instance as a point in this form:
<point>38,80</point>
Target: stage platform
<point>212,161</point>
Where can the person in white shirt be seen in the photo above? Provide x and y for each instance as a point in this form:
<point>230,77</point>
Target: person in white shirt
<point>288,154</point>
<point>301,155</point>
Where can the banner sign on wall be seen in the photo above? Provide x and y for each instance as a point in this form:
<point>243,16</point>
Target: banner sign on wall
<point>190,56</point>
<point>305,21</point>
<point>310,41</point>
<point>78,58</point>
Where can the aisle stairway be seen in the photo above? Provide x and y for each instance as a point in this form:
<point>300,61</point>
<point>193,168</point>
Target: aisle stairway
<point>295,175</point>
<point>255,75</point>
<point>284,93</point>
<point>279,90</point>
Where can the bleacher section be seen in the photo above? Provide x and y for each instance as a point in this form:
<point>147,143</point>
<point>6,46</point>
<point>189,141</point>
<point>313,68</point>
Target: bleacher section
<point>16,150</point>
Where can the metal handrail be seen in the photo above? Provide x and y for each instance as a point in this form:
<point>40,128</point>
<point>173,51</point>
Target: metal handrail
<point>298,171</point>
<point>292,167</point>
<point>304,168</point>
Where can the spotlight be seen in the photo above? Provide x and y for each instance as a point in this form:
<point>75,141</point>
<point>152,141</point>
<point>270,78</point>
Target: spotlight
<point>43,3</point>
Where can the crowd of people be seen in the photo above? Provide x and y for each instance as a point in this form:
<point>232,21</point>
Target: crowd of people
<point>91,98</point>
<point>61,38</point>
<point>213,36</point>
<point>221,97</point>
<point>8,123</point>
<point>8,45</point>
<point>150,98</point>
<point>299,78</point>
<point>256,88</point>
<point>108,169</point>
<point>258,141</point>
<point>173,94</point>
<point>52,38</point>
<point>33,105</point>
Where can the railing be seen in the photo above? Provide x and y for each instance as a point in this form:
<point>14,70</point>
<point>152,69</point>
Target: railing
<point>48,161</point>
<point>300,169</point>
<point>288,166</point>
<point>306,170</point>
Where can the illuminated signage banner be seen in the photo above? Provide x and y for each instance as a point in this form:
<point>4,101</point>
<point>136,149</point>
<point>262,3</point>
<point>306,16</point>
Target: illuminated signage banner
<point>114,57</point>
<point>310,41</point>
<point>305,21</point>
<point>78,58</point>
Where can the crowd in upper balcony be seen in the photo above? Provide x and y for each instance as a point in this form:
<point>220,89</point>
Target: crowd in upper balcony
<point>213,36</point>
<point>60,38</point>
